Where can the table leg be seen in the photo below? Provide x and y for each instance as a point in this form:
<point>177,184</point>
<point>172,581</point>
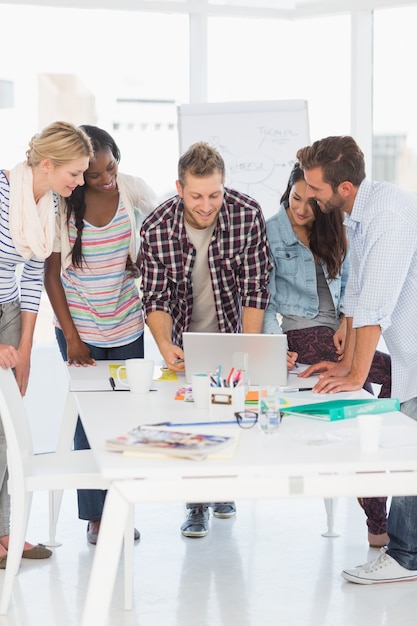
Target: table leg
<point>329,505</point>
<point>114,521</point>
<point>128,558</point>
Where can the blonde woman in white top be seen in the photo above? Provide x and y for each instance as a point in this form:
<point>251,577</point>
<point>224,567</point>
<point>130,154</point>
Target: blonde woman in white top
<point>56,160</point>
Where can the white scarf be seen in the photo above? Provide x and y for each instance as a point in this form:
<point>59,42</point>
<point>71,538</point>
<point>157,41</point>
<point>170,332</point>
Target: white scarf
<point>31,225</point>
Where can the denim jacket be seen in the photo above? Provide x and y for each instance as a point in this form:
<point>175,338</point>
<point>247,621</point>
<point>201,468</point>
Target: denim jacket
<point>292,282</point>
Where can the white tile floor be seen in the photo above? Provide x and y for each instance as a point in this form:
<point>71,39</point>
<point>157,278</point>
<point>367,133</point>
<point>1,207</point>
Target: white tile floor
<point>269,566</point>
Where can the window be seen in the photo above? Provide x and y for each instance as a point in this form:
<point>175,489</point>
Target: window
<point>280,60</point>
<point>133,65</point>
<point>395,100</point>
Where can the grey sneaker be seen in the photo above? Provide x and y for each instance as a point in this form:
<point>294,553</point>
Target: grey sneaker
<point>93,529</point>
<point>196,524</point>
<point>384,569</point>
<point>224,509</point>
<point>92,532</point>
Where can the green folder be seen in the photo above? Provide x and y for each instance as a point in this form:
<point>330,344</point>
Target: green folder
<point>333,410</point>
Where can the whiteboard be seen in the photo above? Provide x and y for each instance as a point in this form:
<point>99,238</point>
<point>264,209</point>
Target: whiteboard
<point>257,140</point>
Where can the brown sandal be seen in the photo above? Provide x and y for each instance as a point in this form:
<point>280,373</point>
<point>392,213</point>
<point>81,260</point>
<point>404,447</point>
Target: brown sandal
<point>37,552</point>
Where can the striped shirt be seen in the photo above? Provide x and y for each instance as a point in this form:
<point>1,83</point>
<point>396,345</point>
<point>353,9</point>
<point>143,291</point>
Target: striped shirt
<point>31,278</point>
<point>238,259</point>
<point>382,284</point>
<point>102,296</point>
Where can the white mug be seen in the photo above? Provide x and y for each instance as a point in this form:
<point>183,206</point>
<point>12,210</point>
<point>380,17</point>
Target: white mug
<point>139,374</point>
<point>369,426</point>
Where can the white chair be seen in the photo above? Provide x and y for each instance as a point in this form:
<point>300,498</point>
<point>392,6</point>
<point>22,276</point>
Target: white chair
<point>42,472</point>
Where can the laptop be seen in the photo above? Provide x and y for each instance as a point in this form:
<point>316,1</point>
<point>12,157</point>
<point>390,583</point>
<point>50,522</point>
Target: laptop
<point>266,361</point>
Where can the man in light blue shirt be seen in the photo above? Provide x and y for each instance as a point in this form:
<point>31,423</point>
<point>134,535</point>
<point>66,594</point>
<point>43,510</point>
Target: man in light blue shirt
<point>380,298</point>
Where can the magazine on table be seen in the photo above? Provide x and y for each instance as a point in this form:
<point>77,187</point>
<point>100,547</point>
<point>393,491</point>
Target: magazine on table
<point>151,440</point>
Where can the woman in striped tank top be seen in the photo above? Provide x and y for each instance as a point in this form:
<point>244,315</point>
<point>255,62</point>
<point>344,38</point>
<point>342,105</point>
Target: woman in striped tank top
<point>90,278</point>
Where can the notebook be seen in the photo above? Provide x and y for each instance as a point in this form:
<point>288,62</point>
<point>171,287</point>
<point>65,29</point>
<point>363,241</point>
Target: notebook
<point>332,410</point>
<point>294,383</point>
<point>267,355</point>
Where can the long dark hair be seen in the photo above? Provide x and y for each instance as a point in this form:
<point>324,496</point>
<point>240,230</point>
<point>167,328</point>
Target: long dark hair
<point>328,237</point>
<point>100,140</point>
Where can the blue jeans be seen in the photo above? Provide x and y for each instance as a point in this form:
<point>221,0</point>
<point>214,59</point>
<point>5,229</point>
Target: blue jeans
<point>402,519</point>
<point>91,501</point>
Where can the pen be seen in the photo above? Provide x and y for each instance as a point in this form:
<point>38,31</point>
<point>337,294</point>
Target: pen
<point>113,386</point>
<point>219,376</point>
<point>175,425</point>
<point>213,381</point>
<point>177,361</point>
<point>295,364</point>
<point>229,377</point>
<point>237,378</point>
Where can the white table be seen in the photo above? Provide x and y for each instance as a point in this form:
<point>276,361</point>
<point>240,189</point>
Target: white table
<point>306,458</point>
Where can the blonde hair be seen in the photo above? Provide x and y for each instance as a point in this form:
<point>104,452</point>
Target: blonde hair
<point>60,142</point>
<point>200,160</point>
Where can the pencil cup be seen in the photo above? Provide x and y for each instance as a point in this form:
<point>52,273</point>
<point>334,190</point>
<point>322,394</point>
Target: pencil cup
<point>200,384</point>
<point>269,414</point>
<point>139,374</point>
<point>369,426</point>
<point>224,402</point>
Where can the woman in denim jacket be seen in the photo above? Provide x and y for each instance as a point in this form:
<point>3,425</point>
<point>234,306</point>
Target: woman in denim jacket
<point>307,284</point>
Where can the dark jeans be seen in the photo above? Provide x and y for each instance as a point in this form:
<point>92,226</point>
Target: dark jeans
<point>402,519</point>
<point>316,344</point>
<point>91,501</point>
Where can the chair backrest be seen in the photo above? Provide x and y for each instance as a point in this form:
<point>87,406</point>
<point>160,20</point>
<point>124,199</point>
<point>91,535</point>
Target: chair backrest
<point>14,418</point>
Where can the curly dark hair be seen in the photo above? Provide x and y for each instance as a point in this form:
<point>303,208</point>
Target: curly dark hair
<point>100,140</point>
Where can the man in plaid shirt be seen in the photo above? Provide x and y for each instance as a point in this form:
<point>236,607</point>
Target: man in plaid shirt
<point>205,268</point>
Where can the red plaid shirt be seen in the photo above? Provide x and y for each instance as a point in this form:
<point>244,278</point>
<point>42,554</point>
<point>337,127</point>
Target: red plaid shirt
<point>238,258</point>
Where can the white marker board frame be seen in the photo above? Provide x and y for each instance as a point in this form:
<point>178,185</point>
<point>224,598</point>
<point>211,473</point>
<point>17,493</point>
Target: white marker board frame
<point>257,140</point>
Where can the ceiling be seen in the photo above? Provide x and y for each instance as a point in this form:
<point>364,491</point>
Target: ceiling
<point>285,9</point>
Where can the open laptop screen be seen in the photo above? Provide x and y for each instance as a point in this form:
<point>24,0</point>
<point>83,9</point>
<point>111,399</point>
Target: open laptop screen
<point>267,355</point>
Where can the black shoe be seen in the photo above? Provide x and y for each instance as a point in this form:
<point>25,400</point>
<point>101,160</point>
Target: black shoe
<point>196,524</point>
<point>224,509</point>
